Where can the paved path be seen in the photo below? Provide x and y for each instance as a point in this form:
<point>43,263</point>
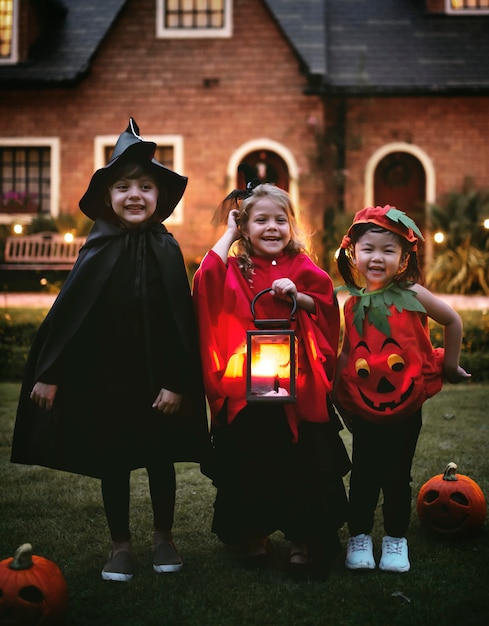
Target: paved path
<point>45,300</point>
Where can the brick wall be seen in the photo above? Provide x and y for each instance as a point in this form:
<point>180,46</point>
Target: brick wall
<point>256,91</point>
<point>452,132</point>
<point>161,83</point>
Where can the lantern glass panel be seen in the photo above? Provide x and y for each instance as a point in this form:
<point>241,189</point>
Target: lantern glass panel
<point>271,366</point>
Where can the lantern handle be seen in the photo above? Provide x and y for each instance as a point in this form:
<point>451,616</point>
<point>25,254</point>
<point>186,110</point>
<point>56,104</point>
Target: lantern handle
<point>273,323</point>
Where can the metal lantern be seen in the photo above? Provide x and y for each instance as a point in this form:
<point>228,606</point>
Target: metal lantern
<point>271,358</point>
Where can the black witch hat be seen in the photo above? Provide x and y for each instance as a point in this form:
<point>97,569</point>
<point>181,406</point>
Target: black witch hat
<point>131,147</point>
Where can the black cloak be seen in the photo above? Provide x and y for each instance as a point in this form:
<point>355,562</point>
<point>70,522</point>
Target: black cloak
<point>92,425</point>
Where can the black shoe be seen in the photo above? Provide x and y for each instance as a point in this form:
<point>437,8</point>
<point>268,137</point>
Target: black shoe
<point>300,571</point>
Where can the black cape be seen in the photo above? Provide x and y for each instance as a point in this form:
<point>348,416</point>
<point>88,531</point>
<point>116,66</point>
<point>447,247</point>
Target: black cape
<point>77,435</point>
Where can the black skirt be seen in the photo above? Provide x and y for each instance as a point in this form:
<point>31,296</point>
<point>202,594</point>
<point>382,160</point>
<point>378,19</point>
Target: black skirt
<point>266,482</point>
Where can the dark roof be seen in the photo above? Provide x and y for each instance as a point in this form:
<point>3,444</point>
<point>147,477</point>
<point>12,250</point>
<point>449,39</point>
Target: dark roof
<point>345,46</point>
<point>389,46</point>
<point>64,51</point>
<point>304,24</point>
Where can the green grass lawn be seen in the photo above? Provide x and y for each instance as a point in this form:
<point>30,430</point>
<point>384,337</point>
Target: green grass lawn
<point>62,516</point>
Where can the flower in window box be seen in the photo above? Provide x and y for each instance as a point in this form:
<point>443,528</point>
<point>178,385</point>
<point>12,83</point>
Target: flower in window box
<point>19,202</point>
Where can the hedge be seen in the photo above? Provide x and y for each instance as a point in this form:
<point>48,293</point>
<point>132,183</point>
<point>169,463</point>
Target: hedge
<point>17,332</point>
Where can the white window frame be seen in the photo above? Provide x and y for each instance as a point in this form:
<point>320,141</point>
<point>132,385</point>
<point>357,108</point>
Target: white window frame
<point>54,171</point>
<point>14,55</point>
<point>193,33</point>
<point>450,10</point>
<point>102,142</point>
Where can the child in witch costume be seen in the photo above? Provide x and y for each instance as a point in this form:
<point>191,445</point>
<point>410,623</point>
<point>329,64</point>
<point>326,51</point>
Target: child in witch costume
<point>386,369</point>
<point>277,466</point>
<point>113,381</point>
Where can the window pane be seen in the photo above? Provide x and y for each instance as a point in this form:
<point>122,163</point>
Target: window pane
<point>6,24</point>
<point>469,4</point>
<point>194,13</point>
<point>25,179</point>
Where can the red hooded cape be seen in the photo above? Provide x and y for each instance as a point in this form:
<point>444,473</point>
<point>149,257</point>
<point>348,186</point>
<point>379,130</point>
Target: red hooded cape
<point>223,297</point>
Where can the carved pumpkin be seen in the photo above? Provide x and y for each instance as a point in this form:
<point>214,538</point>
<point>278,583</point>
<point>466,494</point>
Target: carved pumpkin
<point>33,590</point>
<point>451,505</point>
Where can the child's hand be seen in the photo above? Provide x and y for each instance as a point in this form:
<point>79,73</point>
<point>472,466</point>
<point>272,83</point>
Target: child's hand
<point>167,401</point>
<point>43,395</point>
<point>284,288</point>
<point>233,223</point>
<point>457,375</point>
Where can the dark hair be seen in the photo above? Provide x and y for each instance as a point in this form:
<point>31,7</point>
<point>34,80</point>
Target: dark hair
<point>409,273</point>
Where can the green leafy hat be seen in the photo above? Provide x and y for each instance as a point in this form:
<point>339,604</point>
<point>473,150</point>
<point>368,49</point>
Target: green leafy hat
<point>391,219</point>
<point>131,147</point>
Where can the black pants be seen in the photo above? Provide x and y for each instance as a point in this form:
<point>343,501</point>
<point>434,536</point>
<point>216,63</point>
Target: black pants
<point>116,497</point>
<point>381,461</point>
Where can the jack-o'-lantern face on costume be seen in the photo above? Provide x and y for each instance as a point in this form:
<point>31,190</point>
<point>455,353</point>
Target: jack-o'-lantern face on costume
<point>383,372</point>
<point>389,377</point>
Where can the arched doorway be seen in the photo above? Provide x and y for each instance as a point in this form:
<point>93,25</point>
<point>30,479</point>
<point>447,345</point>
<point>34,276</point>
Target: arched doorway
<point>274,162</point>
<point>422,197</point>
<point>269,168</point>
<point>400,180</point>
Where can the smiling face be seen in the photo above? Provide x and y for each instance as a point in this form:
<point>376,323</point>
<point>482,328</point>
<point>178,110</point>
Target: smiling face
<point>268,228</point>
<point>378,256</point>
<point>134,200</point>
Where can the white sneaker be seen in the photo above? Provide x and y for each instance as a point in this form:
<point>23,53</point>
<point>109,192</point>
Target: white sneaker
<point>359,553</point>
<point>394,554</point>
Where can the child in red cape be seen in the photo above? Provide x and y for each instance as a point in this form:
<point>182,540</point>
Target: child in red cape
<point>386,369</point>
<point>277,466</point>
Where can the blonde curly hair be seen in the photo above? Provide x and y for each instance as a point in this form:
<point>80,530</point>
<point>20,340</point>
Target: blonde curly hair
<point>243,248</point>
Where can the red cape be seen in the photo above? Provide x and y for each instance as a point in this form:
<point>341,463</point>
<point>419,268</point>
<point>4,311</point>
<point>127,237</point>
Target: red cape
<point>222,297</point>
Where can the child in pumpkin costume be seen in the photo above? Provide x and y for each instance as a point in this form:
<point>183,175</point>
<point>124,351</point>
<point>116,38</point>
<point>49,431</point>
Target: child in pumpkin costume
<point>386,369</point>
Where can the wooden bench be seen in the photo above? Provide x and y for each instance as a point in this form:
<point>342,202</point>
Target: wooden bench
<point>41,251</point>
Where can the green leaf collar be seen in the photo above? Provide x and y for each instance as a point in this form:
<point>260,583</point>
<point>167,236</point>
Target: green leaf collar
<point>374,306</point>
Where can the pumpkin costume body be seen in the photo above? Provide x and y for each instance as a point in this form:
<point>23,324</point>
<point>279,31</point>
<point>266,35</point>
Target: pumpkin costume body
<point>381,389</point>
<point>388,376</point>
<point>276,466</point>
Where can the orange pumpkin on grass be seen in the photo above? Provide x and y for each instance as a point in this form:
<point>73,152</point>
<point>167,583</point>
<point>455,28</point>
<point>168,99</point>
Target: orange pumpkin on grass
<point>33,590</point>
<point>451,505</point>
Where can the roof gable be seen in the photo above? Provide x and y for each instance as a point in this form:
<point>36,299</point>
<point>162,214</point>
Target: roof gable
<point>65,49</point>
<point>387,45</point>
<point>303,23</point>
<point>348,46</point>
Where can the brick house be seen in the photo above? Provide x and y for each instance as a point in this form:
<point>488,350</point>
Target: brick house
<point>344,103</point>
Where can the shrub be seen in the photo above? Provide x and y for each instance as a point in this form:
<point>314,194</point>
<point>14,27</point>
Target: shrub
<point>17,332</point>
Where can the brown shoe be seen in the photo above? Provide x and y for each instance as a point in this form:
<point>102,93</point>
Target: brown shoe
<point>119,567</point>
<point>166,558</point>
<point>257,553</point>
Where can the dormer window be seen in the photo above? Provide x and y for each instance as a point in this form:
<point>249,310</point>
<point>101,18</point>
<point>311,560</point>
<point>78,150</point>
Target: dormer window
<point>8,31</point>
<point>193,18</point>
<point>467,7</point>
<point>458,8</point>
